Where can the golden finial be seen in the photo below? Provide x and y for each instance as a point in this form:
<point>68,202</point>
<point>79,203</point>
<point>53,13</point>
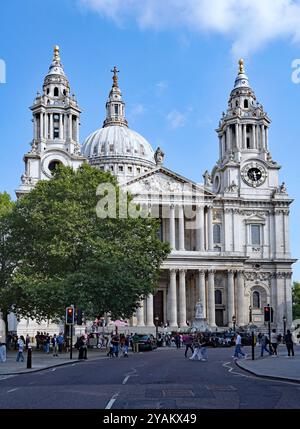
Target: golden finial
<point>56,56</point>
<point>241,65</point>
<point>115,76</point>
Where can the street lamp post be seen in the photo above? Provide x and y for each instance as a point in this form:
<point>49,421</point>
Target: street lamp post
<point>156,326</point>
<point>284,327</point>
<point>233,321</point>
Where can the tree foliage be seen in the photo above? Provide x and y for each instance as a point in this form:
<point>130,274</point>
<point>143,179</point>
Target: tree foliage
<point>70,256</point>
<point>296,300</point>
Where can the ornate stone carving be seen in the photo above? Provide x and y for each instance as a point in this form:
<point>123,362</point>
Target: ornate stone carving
<point>257,276</point>
<point>233,187</point>
<point>207,178</point>
<point>159,156</point>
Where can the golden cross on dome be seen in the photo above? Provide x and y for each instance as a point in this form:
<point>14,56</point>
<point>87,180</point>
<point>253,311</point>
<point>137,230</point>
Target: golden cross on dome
<point>56,56</point>
<point>241,66</point>
<point>115,76</point>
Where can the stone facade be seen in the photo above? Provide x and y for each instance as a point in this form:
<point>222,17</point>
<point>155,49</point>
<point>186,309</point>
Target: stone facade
<point>229,236</point>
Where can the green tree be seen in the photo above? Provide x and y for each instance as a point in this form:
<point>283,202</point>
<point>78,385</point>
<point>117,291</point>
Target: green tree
<point>9,258</point>
<point>71,256</point>
<point>296,300</point>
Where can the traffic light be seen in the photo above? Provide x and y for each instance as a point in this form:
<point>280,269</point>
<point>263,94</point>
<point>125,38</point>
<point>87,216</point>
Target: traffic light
<point>79,315</point>
<point>70,315</point>
<point>268,314</point>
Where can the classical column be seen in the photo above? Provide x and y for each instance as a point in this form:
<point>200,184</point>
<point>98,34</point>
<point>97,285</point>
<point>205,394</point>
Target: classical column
<point>200,228</point>
<point>230,296</point>
<point>181,228</point>
<point>172,227</point>
<point>262,133</point>
<point>228,137</point>
<point>201,290</point>
<point>273,295</point>
<point>257,136</point>
<point>65,126</point>
<point>61,127</point>
<point>41,125</point>
<point>149,310</point>
<point>279,232</point>
<point>77,129</point>
<point>46,126</point>
<point>182,298</point>
<point>237,135</point>
<point>70,127</point>
<point>227,230</point>
<point>210,228</point>
<point>51,126</point>
<point>289,303</point>
<point>240,298</point>
<point>211,299</point>
<point>172,311</point>
<point>140,314</point>
<point>253,137</point>
<point>244,136</point>
<point>286,232</point>
<point>266,138</point>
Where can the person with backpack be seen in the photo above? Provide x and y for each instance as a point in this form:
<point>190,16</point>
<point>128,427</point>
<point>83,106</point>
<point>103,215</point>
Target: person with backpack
<point>289,343</point>
<point>264,342</point>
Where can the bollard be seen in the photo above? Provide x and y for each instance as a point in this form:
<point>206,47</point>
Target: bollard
<point>252,344</point>
<point>29,358</point>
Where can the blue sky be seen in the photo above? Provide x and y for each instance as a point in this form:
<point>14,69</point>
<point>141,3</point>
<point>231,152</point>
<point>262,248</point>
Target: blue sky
<point>177,61</point>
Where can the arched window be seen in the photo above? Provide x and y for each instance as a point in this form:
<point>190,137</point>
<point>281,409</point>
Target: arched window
<point>218,297</point>
<point>56,92</point>
<point>246,104</point>
<point>217,234</point>
<point>256,299</point>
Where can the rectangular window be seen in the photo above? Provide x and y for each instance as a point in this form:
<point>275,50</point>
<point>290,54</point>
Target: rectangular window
<point>255,234</point>
<point>56,133</point>
<point>120,167</point>
<point>116,109</point>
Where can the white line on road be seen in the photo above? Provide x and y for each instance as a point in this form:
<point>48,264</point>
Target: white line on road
<point>125,379</point>
<point>111,402</point>
<point>12,390</point>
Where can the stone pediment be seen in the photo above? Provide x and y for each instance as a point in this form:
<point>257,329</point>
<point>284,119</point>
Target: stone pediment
<point>255,218</point>
<point>162,180</point>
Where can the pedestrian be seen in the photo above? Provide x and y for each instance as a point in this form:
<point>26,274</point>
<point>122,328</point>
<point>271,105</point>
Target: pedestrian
<point>2,352</point>
<point>289,343</point>
<point>238,344</point>
<point>197,350</point>
<point>177,340</point>
<point>188,341</point>
<point>27,341</point>
<point>274,342</point>
<point>60,342</point>
<point>203,349</point>
<point>54,345</point>
<point>264,342</point>
<point>135,342</point>
<point>21,344</point>
<point>110,348</point>
<point>37,339</point>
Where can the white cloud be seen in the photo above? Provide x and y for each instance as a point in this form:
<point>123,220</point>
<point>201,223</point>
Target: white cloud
<point>137,109</point>
<point>176,119</point>
<point>248,24</point>
<point>160,87</point>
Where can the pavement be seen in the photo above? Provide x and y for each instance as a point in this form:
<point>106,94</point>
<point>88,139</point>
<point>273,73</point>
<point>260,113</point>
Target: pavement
<point>282,367</point>
<point>41,361</point>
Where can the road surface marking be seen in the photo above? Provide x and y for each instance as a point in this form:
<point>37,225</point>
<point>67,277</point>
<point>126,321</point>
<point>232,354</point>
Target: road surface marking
<point>125,379</point>
<point>111,402</point>
<point>12,390</point>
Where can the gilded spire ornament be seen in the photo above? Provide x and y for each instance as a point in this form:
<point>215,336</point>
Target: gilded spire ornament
<point>241,66</point>
<point>115,76</point>
<point>56,56</point>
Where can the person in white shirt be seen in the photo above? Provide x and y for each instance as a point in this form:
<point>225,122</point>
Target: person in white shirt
<point>274,342</point>
<point>238,344</point>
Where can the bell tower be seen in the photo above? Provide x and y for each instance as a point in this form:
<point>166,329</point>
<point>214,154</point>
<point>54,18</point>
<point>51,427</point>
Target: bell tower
<point>56,120</point>
<point>245,165</point>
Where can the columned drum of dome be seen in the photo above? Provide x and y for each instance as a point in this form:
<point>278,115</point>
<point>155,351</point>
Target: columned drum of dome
<point>115,147</point>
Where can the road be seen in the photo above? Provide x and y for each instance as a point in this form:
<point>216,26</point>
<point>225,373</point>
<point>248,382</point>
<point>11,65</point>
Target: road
<point>162,379</point>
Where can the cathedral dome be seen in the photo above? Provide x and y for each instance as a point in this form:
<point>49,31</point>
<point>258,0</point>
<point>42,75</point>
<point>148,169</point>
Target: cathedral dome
<point>118,141</point>
<point>115,147</point>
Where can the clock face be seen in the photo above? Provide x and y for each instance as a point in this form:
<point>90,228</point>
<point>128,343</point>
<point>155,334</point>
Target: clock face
<point>254,174</point>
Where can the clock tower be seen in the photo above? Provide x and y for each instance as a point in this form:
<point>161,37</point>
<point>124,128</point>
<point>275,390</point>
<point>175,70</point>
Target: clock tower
<point>56,120</point>
<point>245,166</point>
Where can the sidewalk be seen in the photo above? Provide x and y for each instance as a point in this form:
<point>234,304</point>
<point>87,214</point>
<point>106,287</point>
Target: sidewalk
<point>281,368</point>
<point>41,360</point>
